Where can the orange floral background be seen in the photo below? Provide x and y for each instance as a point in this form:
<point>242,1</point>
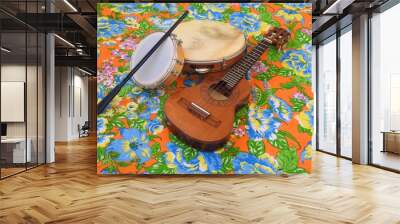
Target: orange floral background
<point>271,135</point>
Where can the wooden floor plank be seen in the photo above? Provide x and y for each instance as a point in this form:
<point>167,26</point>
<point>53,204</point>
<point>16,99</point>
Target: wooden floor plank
<point>69,191</point>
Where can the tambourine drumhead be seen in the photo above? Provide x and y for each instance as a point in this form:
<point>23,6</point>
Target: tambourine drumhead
<point>154,71</point>
<point>205,40</point>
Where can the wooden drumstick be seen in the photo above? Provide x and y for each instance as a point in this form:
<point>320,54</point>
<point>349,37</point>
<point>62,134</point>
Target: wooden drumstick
<point>106,100</point>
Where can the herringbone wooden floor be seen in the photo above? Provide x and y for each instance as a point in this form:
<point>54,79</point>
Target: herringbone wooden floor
<point>69,191</point>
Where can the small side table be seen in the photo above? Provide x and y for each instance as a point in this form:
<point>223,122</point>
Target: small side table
<point>18,153</point>
<point>391,141</point>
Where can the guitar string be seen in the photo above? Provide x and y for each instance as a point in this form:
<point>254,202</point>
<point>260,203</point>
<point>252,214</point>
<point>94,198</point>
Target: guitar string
<point>236,73</point>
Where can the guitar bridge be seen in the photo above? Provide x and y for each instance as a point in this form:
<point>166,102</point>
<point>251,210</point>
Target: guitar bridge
<point>199,112</point>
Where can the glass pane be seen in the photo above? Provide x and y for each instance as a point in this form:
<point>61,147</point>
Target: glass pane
<point>346,94</point>
<point>13,87</point>
<point>32,85</point>
<point>385,89</point>
<point>41,98</point>
<point>31,97</point>
<point>327,97</point>
<point>314,88</point>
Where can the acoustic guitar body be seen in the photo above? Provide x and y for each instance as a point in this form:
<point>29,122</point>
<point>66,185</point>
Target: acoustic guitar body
<point>202,116</point>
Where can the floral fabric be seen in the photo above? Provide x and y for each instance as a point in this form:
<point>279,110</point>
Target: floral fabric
<point>271,135</point>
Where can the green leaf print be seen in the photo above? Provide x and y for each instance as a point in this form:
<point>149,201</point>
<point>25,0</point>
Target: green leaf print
<point>113,155</point>
<point>302,37</point>
<point>123,164</point>
<point>152,137</point>
<point>160,112</point>
<point>160,168</point>
<point>144,25</point>
<point>299,39</point>
<point>125,90</point>
<point>139,33</point>
<point>297,104</point>
<point>155,148</point>
<point>297,82</point>
<point>290,136</point>
<point>189,153</point>
<point>261,97</point>
<point>227,164</point>
<point>123,69</point>
<point>261,9</point>
<point>227,157</point>
<point>137,123</point>
<point>188,150</point>
<point>256,148</point>
<point>274,54</point>
<point>110,169</point>
<point>163,99</point>
<point>100,154</point>
<point>305,130</point>
<point>275,71</point>
<point>226,14</point>
<point>116,122</point>
<point>258,37</point>
<point>265,76</point>
<point>280,142</point>
<point>241,116</point>
<point>266,16</point>
<point>287,160</point>
<point>198,7</point>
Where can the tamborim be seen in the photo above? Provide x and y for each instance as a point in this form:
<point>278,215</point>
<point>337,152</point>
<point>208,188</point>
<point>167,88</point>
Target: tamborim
<point>163,67</point>
<point>210,46</point>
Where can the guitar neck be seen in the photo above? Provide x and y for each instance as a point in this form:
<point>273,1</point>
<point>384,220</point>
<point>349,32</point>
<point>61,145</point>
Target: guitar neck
<point>235,74</point>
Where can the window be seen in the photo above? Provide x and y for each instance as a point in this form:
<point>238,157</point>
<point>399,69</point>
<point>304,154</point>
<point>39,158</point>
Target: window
<point>327,96</point>
<point>22,78</point>
<point>346,93</point>
<point>385,89</point>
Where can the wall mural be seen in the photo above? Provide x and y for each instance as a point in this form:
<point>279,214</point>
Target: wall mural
<point>271,133</point>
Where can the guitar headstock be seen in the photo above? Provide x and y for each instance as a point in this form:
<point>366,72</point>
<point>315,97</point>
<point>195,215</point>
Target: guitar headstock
<point>277,36</point>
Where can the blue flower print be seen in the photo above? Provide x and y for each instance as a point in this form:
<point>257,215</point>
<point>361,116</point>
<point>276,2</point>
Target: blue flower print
<point>298,60</point>
<point>202,163</point>
<point>244,22</point>
<point>261,124</point>
<point>245,163</point>
<point>281,108</point>
<point>108,27</point>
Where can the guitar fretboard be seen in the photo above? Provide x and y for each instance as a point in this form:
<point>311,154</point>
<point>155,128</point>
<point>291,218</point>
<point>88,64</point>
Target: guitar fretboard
<point>235,74</point>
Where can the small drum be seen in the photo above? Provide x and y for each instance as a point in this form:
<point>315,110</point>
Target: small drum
<point>164,65</point>
<point>210,46</point>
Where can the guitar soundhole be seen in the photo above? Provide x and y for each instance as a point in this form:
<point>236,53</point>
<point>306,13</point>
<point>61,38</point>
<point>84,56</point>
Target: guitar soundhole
<point>216,92</point>
<point>216,95</point>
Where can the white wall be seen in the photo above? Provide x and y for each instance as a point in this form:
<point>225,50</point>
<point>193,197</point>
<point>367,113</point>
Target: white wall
<point>71,94</point>
<point>16,72</point>
<point>12,73</point>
